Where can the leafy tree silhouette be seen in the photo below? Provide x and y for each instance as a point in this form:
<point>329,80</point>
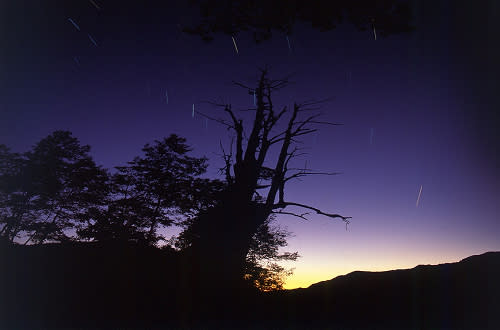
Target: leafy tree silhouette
<point>262,17</point>
<point>11,201</point>
<point>152,192</point>
<point>46,191</point>
<point>262,268</point>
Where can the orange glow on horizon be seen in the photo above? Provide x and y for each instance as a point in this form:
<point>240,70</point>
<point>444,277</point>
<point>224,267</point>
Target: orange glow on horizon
<point>304,277</point>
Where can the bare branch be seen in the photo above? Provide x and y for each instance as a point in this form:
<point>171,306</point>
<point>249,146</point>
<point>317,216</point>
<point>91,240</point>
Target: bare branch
<point>304,122</point>
<point>275,139</point>
<point>227,161</point>
<point>300,174</point>
<point>302,216</point>
<point>312,102</point>
<point>318,211</point>
<point>326,123</point>
<point>277,181</point>
<point>214,103</point>
<point>289,156</point>
<point>305,131</point>
<point>227,108</point>
<point>253,140</point>
<point>241,85</point>
<point>238,127</point>
<point>280,114</point>
<point>220,121</point>
<point>249,109</point>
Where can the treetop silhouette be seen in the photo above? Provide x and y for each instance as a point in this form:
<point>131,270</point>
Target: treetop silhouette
<point>152,192</point>
<point>46,190</point>
<point>387,17</point>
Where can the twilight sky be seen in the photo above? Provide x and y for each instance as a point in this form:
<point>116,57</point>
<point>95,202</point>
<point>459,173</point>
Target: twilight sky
<point>418,111</point>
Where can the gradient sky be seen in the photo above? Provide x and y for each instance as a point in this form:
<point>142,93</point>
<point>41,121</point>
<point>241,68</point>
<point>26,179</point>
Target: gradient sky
<point>428,98</point>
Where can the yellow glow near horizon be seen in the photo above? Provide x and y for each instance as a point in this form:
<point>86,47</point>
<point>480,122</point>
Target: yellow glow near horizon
<point>307,274</point>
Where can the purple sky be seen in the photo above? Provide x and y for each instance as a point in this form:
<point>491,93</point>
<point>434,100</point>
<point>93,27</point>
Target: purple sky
<point>428,98</point>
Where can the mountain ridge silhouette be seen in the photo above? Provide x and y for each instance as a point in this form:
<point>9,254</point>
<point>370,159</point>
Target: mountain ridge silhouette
<point>466,259</point>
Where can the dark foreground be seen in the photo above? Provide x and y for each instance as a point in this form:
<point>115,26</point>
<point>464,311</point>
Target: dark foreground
<point>89,286</point>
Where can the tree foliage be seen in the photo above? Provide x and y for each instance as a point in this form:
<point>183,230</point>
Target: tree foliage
<point>262,17</point>
<point>263,268</point>
<point>12,210</point>
<point>48,189</point>
<point>56,188</point>
<point>153,192</point>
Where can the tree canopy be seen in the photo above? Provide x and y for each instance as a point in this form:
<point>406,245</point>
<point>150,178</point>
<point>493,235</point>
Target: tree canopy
<point>45,191</point>
<point>262,17</point>
<point>152,192</point>
<point>56,190</point>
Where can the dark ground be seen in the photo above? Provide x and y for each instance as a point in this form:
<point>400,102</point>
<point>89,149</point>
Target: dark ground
<point>95,286</point>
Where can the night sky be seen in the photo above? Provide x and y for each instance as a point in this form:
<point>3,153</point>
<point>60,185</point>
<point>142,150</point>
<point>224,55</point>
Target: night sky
<point>418,110</point>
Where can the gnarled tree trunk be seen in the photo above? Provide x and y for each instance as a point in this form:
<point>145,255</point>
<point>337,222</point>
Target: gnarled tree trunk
<point>222,235</point>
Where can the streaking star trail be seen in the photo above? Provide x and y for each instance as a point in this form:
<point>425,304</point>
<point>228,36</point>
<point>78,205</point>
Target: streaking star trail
<point>420,192</point>
<point>92,39</point>
<point>235,47</point>
<point>74,24</point>
<point>95,5</point>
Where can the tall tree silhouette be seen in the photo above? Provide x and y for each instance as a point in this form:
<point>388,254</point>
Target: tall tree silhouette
<point>224,233</point>
<point>263,16</point>
<point>47,190</point>
<point>152,192</point>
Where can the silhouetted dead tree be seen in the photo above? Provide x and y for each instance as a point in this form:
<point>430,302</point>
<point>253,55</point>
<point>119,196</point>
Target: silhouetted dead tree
<point>225,232</point>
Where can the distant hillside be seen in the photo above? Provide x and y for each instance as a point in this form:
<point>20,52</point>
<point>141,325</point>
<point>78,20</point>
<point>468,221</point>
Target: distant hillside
<point>488,258</point>
<point>462,295</point>
<point>90,286</point>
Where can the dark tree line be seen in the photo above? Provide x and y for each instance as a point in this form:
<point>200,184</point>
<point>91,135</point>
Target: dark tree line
<point>57,193</point>
<point>56,189</point>
<point>152,192</point>
<point>48,190</point>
